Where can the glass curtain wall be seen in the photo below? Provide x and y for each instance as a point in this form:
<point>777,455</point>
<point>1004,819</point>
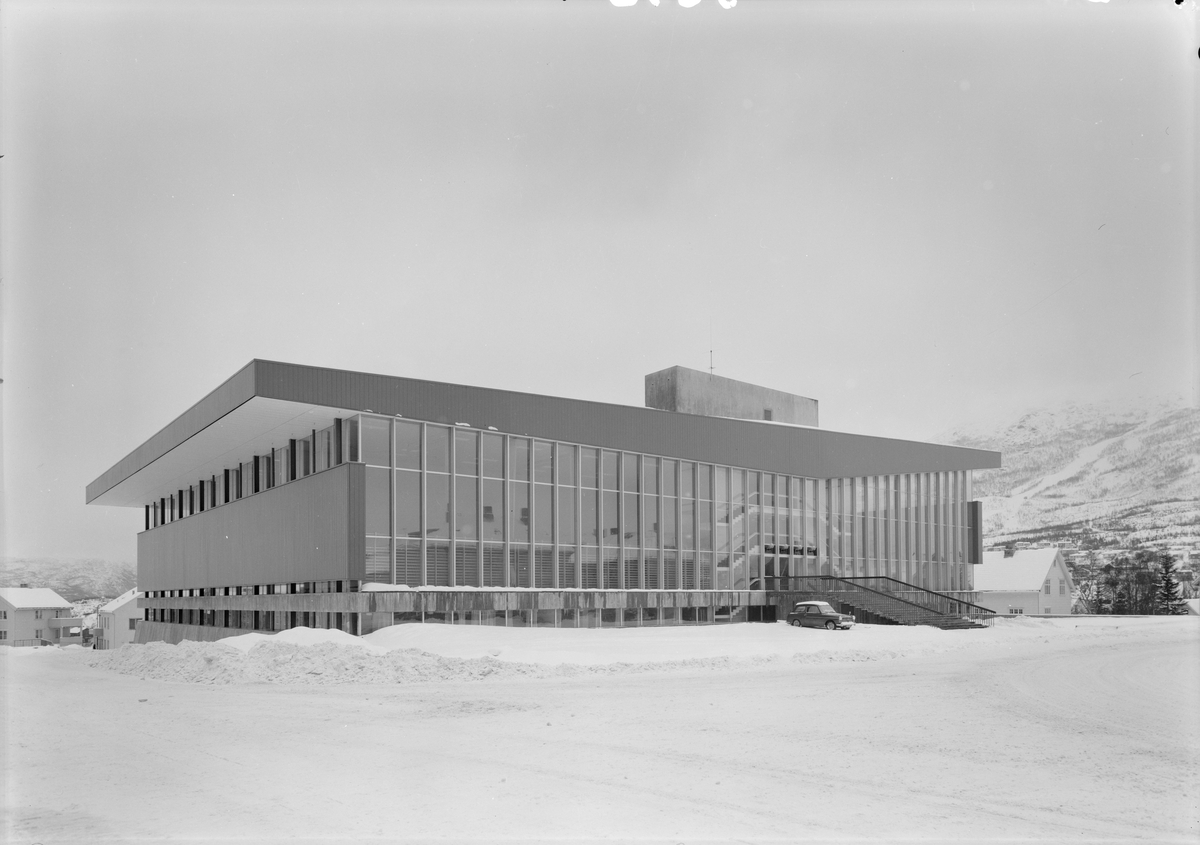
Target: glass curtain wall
<point>452,506</point>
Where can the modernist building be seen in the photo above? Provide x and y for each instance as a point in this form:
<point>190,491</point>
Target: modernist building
<point>295,495</point>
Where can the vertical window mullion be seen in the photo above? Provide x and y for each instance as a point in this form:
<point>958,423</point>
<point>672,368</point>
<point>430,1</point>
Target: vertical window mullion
<point>620,585</point>
<point>506,501</point>
<point>392,546</point>
<point>424,580</point>
<point>453,506</point>
<point>578,517</point>
<point>479,510</point>
<point>554,470</point>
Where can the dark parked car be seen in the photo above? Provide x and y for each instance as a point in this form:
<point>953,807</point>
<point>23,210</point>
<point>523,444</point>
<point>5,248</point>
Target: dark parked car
<point>818,614</point>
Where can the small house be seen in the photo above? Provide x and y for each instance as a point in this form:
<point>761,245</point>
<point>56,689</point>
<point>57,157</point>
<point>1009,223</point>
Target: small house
<point>116,622</point>
<point>1025,581</point>
<point>32,616</point>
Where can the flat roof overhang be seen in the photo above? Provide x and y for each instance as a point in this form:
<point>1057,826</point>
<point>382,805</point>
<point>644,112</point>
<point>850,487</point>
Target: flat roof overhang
<point>266,402</point>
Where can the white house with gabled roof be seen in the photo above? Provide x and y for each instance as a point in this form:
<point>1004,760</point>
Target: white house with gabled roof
<point>37,616</point>
<point>116,622</point>
<point>1025,581</point>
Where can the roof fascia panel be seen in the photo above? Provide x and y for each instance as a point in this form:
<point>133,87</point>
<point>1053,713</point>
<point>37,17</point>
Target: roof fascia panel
<point>230,394</point>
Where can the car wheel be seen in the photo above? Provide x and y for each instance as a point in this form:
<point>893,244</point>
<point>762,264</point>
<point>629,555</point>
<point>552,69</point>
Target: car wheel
<point>829,626</point>
<point>795,623</point>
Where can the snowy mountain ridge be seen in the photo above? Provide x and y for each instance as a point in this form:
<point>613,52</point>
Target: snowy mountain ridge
<point>74,580</point>
<point>1103,473</point>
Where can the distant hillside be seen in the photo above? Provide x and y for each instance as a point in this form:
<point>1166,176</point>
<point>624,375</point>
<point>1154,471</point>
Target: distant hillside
<point>1106,476</point>
<point>74,580</point>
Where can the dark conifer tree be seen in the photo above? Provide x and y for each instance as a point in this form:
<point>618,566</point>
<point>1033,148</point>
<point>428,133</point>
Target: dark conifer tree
<point>1121,601</point>
<point>1169,602</point>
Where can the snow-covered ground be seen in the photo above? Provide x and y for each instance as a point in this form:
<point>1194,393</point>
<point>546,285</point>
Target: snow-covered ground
<point>1037,729</point>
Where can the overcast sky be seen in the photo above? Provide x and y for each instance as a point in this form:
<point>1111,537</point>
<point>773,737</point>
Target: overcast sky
<point>919,214</point>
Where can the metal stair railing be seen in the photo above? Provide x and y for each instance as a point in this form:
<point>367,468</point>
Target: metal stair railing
<point>943,603</point>
<point>932,606</point>
<point>909,611</point>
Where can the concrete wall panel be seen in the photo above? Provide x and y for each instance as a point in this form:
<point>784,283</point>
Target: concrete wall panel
<point>308,530</point>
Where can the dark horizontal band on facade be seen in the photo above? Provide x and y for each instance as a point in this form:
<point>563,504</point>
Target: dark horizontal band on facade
<point>461,600</point>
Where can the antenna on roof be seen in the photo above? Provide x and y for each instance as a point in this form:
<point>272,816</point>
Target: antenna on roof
<point>710,352</point>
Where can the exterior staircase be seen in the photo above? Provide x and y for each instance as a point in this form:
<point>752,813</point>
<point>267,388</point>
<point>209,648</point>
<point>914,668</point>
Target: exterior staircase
<point>884,600</point>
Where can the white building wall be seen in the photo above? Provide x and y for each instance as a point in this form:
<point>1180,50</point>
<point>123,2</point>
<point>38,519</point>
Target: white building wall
<point>113,628</point>
<point>1058,602</point>
<point>1005,603</point>
<point>25,623</point>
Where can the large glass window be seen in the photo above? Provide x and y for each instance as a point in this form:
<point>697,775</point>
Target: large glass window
<point>704,526</point>
<point>466,497</point>
<point>492,455</point>
<point>782,518</point>
<point>589,473</point>
<point>687,525</point>
<point>797,513</point>
<point>589,515</point>
<point>566,516</point>
<point>650,475</point>
<point>704,482</point>
<point>611,507</point>
<point>632,534</point>
<point>279,464</point>
<point>722,502</point>
<point>492,503</point>
<point>326,452</point>
<point>437,448</point>
<point>408,445</point>
<point>350,434</point>
<point>543,513</point>
<point>631,473</point>
<point>466,565</point>
<point>437,563</point>
<point>437,511</point>
<point>379,501</point>
<point>466,452</point>
<point>566,465</point>
<point>304,455</point>
<point>609,462</point>
<point>519,511</point>
<point>518,459</point>
<point>669,522</point>
<point>810,516</point>
<point>376,437</point>
<point>651,521</point>
<point>543,462</point>
<point>408,504</point>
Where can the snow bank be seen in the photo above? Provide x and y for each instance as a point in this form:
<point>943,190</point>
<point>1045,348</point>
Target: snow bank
<point>426,653</point>
<point>436,653</point>
<point>300,636</point>
<point>606,646</point>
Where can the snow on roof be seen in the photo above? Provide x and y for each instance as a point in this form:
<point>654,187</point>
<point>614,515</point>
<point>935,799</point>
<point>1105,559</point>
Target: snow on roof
<point>115,605</point>
<point>1025,570</point>
<point>35,597</point>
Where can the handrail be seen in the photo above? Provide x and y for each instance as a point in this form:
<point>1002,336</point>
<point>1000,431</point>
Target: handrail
<point>915,587</point>
<point>869,590</point>
<point>942,608</point>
